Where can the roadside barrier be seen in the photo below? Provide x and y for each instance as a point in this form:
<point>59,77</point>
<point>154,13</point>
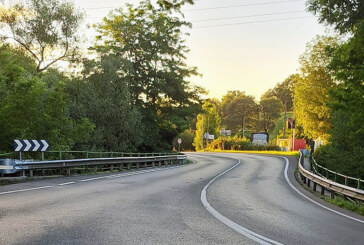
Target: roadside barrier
<point>327,184</point>
<point>133,160</point>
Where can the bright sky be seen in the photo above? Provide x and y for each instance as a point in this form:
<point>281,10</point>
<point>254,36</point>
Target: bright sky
<point>251,57</point>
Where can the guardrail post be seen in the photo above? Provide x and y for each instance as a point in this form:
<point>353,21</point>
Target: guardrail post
<point>112,168</point>
<point>308,182</point>
<point>346,180</point>
<point>68,171</point>
<point>95,169</point>
<point>332,194</point>
<point>153,164</point>
<point>304,180</point>
<point>145,165</point>
<point>335,177</point>
<point>160,163</point>
<point>30,173</point>
<point>120,167</point>
<point>138,165</point>
<point>314,186</point>
<point>359,184</point>
<point>322,190</point>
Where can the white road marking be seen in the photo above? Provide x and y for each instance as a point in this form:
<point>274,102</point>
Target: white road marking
<point>23,190</point>
<point>311,200</point>
<point>96,178</point>
<point>236,227</point>
<point>85,180</point>
<point>67,183</point>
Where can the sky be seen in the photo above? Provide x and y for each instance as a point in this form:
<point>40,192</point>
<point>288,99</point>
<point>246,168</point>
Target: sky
<point>245,49</point>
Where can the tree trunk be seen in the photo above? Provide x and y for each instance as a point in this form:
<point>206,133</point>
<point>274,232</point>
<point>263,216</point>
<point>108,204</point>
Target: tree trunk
<point>243,126</point>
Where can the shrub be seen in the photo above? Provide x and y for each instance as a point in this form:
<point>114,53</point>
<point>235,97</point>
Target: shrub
<point>239,144</point>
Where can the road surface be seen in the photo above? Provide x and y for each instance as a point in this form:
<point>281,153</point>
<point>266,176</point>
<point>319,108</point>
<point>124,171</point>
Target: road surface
<point>163,206</point>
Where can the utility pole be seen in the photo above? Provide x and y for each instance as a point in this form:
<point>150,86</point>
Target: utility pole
<point>202,134</point>
<point>285,118</point>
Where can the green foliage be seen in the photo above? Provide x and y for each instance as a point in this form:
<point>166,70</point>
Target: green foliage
<point>32,109</point>
<point>341,202</point>
<point>149,45</point>
<point>345,153</point>
<point>284,92</point>
<point>187,138</point>
<point>270,109</point>
<point>207,122</point>
<point>45,29</point>
<point>311,90</point>
<point>238,143</point>
<point>343,15</point>
<point>103,97</point>
<point>238,111</point>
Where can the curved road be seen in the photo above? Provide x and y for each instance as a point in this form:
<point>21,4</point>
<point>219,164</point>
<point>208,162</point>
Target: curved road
<point>163,206</point>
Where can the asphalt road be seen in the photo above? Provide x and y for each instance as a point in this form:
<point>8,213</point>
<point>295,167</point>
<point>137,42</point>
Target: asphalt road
<point>163,206</point>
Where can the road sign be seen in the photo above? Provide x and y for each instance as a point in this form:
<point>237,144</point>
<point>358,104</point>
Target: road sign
<point>225,132</point>
<point>209,136</point>
<point>291,123</point>
<point>179,141</point>
<point>31,145</point>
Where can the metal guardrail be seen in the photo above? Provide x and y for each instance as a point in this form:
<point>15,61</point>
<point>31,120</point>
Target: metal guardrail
<point>328,184</point>
<point>336,177</point>
<point>111,162</point>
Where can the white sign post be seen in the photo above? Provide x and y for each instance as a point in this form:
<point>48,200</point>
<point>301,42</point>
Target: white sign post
<point>179,141</point>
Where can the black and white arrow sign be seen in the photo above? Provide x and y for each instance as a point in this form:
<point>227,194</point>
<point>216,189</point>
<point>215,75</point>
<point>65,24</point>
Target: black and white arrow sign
<point>30,145</point>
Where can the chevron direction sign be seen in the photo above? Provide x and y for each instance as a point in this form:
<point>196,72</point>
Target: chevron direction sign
<point>30,145</point>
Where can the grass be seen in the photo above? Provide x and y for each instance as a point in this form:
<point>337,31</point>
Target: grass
<point>341,202</point>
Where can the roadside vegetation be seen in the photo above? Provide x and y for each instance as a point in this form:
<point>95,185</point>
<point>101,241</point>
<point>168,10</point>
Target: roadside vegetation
<point>132,90</point>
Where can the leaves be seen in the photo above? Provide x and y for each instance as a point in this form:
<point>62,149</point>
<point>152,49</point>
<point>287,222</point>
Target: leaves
<point>45,29</point>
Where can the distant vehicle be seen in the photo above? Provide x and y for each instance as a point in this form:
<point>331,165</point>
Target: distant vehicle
<point>260,138</point>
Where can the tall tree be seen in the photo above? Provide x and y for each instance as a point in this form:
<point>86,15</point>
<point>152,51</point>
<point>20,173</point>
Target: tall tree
<point>150,41</point>
<point>346,151</point>
<point>45,29</point>
<point>207,122</point>
<point>33,108</point>
<point>343,15</point>
<point>103,97</point>
<point>270,109</point>
<point>311,95</point>
<point>284,92</point>
<point>238,110</point>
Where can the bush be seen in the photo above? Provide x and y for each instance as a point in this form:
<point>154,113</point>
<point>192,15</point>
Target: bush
<point>239,144</point>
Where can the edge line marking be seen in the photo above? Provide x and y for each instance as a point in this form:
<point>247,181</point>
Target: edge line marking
<point>236,227</point>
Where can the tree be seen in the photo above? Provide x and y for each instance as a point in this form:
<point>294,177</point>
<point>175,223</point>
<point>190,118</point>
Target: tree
<point>270,109</point>
<point>238,110</point>
<point>32,108</point>
<point>343,15</point>
<point>284,92</point>
<point>103,97</point>
<point>149,41</point>
<point>345,152</point>
<point>311,95</point>
<point>45,29</point>
<point>207,122</point>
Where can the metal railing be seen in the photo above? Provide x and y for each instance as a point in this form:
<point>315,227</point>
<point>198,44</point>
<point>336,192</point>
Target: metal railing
<point>335,176</point>
<point>328,184</point>
<point>112,161</point>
